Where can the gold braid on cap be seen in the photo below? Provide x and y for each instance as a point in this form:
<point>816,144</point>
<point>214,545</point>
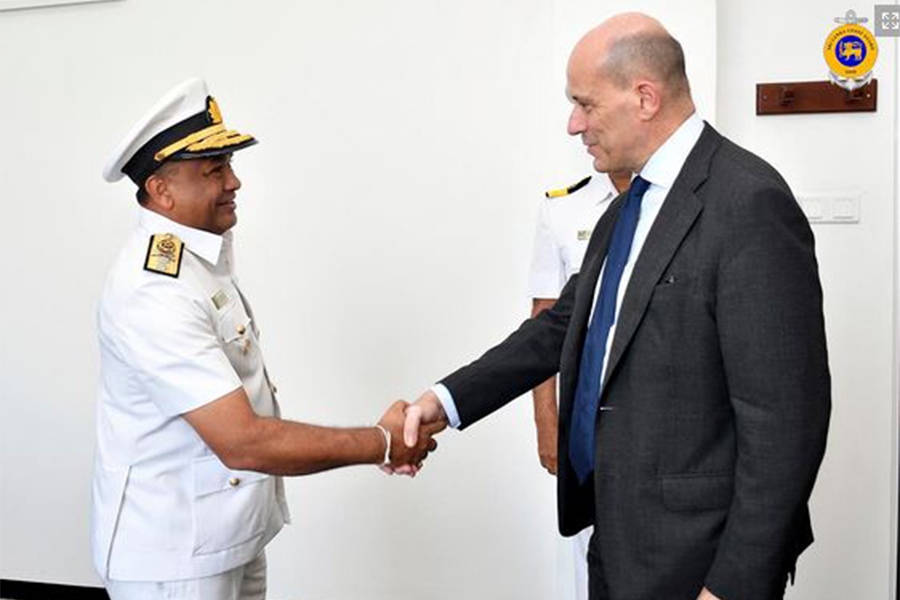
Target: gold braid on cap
<point>197,136</point>
<point>214,136</point>
<point>220,140</point>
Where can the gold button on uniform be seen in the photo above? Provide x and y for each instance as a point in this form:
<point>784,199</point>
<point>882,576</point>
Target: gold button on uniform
<point>240,329</point>
<point>234,482</point>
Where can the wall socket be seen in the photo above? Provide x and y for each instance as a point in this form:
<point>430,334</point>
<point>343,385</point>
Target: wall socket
<point>830,208</point>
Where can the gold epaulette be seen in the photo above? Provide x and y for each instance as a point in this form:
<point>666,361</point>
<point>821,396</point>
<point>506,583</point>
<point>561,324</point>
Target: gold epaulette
<point>569,190</point>
<point>164,254</point>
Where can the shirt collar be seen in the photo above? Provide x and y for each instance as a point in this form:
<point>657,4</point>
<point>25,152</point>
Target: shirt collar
<point>204,244</point>
<point>664,165</point>
<point>608,189</point>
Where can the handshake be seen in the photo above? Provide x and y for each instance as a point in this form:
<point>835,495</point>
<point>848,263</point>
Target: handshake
<point>411,429</point>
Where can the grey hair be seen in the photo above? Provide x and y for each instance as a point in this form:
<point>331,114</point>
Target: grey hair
<point>168,168</point>
<point>656,55</point>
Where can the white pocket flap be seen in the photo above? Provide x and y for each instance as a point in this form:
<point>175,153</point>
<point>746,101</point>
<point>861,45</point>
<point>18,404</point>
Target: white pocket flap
<point>211,476</point>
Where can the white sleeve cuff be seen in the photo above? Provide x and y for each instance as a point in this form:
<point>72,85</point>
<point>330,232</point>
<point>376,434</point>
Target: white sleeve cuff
<point>443,394</point>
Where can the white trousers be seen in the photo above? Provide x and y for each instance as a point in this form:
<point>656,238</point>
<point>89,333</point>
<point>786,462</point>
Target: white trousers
<point>247,582</point>
<point>571,566</point>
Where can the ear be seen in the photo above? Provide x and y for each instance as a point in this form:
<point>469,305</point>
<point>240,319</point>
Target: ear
<point>649,98</point>
<point>157,189</point>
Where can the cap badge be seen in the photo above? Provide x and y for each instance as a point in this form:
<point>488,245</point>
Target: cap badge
<point>212,109</point>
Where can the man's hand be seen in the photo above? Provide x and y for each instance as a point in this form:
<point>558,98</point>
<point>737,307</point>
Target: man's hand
<point>424,417</point>
<point>427,410</point>
<point>546,414</point>
<point>547,440</point>
<point>407,458</point>
<point>546,420</point>
<point>705,594</point>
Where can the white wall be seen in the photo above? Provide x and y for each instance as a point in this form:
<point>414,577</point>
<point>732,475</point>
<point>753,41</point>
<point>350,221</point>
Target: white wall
<point>853,503</point>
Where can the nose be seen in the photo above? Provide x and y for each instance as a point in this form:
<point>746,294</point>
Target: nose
<point>232,183</point>
<point>576,121</point>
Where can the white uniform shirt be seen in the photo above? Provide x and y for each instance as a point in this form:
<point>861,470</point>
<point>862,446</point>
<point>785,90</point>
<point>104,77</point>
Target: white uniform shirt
<point>164,506</point>
<point>564,227</point>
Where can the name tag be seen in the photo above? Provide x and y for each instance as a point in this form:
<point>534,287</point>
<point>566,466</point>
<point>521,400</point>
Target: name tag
<point>220,299</point>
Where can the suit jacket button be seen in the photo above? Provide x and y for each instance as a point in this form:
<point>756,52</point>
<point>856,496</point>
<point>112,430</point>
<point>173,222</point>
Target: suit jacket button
<point>234,482</point>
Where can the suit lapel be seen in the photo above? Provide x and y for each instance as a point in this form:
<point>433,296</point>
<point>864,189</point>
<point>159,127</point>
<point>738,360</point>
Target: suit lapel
<point>678,213</point>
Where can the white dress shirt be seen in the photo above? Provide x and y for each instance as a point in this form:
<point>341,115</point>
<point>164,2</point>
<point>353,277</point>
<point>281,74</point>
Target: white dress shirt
<point>165,507</point>
<point>661,170</point>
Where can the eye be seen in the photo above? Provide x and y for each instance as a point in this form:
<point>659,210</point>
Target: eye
<point>217,170</point>
<point>580,102</point>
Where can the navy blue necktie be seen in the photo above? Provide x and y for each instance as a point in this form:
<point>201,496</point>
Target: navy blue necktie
<point>587,394</point>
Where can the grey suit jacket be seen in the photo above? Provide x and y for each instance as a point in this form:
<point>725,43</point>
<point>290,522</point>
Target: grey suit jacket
<point>716,397</point>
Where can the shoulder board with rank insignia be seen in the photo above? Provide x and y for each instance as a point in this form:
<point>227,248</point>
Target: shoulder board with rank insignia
<point>569,190</point>
<point>164,254</point>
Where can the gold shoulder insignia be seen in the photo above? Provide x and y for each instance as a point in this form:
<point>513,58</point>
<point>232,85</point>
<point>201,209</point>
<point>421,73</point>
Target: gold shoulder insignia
<point>164,254</point>
<point>569,190</point>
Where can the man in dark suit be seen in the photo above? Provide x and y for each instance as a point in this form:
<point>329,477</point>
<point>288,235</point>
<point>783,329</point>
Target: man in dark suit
<point>694,383</point>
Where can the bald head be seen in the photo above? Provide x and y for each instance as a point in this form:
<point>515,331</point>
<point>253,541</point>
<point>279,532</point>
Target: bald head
<point>628,89</point>
<point>634,46</point>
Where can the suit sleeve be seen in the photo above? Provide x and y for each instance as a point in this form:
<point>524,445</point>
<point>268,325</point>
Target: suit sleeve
<point>771,329</point>
<point>528,357</point>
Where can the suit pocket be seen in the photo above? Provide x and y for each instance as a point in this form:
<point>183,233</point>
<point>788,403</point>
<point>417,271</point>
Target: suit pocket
<point>230,507</point>
<point>697,492</point>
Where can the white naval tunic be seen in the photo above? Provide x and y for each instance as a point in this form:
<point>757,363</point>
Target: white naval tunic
<point>564,227</point>
<point>164,506</point>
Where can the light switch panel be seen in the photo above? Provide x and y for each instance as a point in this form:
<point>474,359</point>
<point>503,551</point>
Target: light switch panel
<point>838,207</point>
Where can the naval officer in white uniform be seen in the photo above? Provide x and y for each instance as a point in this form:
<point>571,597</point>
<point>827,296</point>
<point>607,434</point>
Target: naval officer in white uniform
<point>565,220</point>
<point>190,443</point>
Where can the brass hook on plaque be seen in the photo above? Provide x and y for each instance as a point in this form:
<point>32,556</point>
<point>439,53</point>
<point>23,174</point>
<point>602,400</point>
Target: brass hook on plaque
<point>859,94</point>
<point>786,96</point>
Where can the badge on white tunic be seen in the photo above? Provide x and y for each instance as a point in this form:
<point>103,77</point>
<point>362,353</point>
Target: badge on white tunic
<point>164,254</point>
<point>220,299</point>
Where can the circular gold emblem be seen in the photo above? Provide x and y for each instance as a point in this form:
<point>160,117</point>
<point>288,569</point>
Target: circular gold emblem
<point>166,246</point>
<point>851,51</point>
